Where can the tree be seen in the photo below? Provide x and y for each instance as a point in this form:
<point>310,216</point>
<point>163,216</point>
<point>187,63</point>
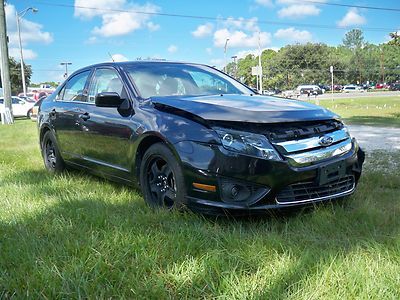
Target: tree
<point>16,77</point>
<point>395,38</point>
<point>354,39</point>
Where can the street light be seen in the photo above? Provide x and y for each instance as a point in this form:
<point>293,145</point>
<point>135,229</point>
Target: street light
<point>225,47</point>
<point>19,16</point>
<point>66,64</point>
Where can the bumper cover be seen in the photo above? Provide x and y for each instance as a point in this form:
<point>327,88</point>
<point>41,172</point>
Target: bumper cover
<point>206,163</point>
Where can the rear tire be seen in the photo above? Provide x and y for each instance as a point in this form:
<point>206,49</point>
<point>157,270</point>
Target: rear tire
<point>53,161</point>
<point>161,178</point>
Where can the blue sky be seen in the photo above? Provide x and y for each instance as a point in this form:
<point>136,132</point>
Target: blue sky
<point>86,36</point>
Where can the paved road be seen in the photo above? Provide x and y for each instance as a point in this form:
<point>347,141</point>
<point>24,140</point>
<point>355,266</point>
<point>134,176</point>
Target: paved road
<point>373,138</point>
<point>352,95</point>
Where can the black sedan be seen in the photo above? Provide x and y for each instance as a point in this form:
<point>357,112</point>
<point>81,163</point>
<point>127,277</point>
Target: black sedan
<point>191,136</point>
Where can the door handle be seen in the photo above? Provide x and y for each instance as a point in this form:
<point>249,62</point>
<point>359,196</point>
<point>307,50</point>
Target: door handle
<point>52,113</point>
<point>85,116</point>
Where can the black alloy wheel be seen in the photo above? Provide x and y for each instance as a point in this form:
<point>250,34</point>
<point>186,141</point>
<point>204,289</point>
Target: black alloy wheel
<point>161,178</point>
<point>51,155</point>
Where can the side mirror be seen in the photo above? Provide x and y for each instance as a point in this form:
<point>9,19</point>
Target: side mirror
<point>108,99</point>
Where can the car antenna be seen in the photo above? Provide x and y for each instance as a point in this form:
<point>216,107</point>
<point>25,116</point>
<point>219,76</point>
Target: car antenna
<point>111,57</point>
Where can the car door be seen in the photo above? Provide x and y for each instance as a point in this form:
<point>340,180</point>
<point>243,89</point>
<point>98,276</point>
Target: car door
<point>18,107</point>
<point>65,115</point>
<point>107,129</point>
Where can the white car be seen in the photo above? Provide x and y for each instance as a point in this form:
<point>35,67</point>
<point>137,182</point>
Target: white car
<point>309,88</point>
<point>20,107</point>
<point>352,88</point>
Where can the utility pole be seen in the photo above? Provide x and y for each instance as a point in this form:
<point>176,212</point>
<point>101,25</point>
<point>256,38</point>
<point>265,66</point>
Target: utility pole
<point>331,70</point>
<point>7,117</point>
<point>259,64</point>
<point>382,66</point>
<point>66,64</point>
<point>235,66</point>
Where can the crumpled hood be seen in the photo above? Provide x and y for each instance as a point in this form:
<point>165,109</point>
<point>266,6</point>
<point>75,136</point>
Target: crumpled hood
<point>245,108</point>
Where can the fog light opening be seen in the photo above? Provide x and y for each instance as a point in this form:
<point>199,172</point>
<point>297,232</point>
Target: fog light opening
<point>233,191</point>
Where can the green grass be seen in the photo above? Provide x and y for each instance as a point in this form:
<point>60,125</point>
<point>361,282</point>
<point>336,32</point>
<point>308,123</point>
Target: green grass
<point>380,111</point>
<point>77,236</point>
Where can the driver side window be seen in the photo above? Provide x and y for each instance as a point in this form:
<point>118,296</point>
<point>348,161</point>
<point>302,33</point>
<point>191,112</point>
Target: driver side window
<point>74,89</point>
<point>105,80</point>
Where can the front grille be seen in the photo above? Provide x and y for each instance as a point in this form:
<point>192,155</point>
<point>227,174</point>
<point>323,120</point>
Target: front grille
<point>310,191</point>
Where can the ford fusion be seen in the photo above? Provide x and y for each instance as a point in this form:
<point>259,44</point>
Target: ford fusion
<point>191,136</point>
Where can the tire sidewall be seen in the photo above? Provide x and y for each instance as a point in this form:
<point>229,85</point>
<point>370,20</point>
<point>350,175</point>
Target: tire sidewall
<point>60,165</point>
<point>161,150</point>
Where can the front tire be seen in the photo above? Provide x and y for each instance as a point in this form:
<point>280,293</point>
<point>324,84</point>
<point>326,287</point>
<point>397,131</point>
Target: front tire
<point>161,178</point>
<point>53,161</point>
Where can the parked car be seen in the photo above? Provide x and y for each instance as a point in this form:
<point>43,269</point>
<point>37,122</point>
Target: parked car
<point>395,86</point>
<point>324,87</point>
<point>352,88</point>
<point>337,87</point>
<point>309,89</point>
<point>189,135</point>
<point>35,108</point>
<point>380,86</point>
<point>20,107</point>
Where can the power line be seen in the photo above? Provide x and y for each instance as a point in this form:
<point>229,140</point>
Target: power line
<point>208,18</point>
<point>393,9</point>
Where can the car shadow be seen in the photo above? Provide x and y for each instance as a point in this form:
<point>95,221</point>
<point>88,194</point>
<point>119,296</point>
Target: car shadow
<point>81,240</point>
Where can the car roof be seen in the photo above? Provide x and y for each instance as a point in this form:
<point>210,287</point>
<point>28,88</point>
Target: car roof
<point>138,62</point>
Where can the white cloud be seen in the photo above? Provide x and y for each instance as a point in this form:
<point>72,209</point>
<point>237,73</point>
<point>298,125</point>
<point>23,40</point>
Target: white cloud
<point>28,53</point>
<point>101,5</point>
<point>352,18</point>
<point>242,23</point>
<point>209,51</point>
<point>172,49</point>
<point>238,38</point>
<point>298,11</point>
<point>119,57</point>
<point>152,27</point>
<point>242,33</point>
<point>266,3</point>
<point>117,22</point>
<point>31,32</point>
<point>92,40</point>
<point>203,30</point>
<point>297,1</point>
<point>218,62</point>
<point>293,35</point>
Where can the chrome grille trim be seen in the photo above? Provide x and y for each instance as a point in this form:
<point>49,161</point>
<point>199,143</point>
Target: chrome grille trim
<point>310,157</point>
<point>313,142</point>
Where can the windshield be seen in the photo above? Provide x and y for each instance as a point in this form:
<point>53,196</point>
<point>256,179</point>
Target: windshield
<point>171,79</point>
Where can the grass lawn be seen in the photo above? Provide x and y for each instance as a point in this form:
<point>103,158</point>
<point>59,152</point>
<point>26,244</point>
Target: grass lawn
<point>77,236</point>
<point>378,110</point>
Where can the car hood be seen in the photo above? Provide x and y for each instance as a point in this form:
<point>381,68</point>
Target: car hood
<point>245,108</point>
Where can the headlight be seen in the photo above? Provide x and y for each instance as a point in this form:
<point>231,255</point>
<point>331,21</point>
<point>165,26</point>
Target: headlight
<point>247,143</point>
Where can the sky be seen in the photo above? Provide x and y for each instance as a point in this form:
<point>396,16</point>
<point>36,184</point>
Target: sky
<point>66,30</point>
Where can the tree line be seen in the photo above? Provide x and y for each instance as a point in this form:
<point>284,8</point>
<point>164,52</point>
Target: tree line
<point>355,61</point>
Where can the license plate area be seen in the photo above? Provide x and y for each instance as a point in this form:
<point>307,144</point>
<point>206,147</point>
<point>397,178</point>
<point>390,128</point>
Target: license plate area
<point>332,172</point>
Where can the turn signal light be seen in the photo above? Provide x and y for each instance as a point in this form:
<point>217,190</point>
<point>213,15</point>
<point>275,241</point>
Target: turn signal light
<point>205,187</point>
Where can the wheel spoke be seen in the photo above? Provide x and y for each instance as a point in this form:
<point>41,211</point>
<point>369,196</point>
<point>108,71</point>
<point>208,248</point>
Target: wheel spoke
<point>154,169</point>
<point>166,170</point>
<point>170,193</point>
